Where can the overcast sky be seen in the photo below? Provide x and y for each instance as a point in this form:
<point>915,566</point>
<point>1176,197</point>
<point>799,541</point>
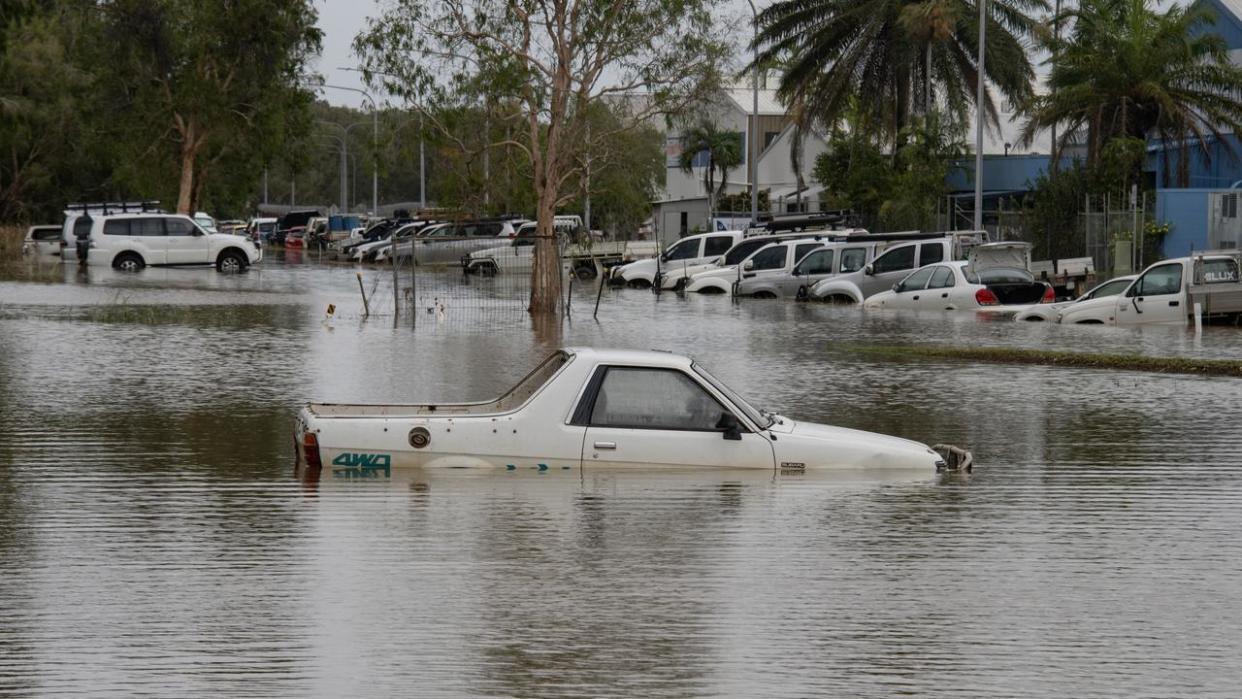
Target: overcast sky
<point>341,20</point>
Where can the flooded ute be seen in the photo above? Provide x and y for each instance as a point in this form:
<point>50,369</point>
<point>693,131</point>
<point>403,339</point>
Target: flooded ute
<point>596,408</point>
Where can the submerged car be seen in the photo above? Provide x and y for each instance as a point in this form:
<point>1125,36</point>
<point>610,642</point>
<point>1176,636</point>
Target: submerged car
<point>995,277</point>
<point>1051,312</point>
<point>587,408</point>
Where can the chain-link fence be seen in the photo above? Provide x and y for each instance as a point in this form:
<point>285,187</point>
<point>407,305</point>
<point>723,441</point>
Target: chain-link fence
<point>483,282</point>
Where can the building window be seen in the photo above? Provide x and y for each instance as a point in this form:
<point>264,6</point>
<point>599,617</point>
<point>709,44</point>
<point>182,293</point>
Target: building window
<point>1229,206</point>
<point>768,137</point>
<point>685,222</point>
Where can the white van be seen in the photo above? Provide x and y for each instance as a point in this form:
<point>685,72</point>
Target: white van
<point>130,242</point>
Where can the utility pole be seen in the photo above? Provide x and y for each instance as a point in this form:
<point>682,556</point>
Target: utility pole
<point>983,8</point>
<point>374,143</point>
<point>754,123</point>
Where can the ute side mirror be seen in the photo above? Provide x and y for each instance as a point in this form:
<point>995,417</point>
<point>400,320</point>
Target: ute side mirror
<point>869,270</point>
<point>748,265</point>
<point>728,425</point>
<point>797,272</point>
<point>897,287</point>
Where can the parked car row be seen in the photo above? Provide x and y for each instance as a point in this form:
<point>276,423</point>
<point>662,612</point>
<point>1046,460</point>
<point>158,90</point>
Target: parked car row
<point>957,271</point>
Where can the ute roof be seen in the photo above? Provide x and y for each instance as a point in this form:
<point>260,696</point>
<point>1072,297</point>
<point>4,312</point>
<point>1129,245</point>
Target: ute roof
<point>630,356</point>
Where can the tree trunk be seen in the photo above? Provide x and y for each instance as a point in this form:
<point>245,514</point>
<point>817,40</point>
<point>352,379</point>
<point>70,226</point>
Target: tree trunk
<point>545,273</point>
<point>189,151</point>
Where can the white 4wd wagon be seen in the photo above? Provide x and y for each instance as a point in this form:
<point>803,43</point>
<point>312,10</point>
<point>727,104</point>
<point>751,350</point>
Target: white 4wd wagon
<point>132,241</point>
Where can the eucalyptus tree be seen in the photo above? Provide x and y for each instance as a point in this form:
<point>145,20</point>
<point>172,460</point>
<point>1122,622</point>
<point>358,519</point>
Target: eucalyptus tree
<point>1128,71</point>
<point>202,83</point>
<point>897,57</point>
<point>546,62</point>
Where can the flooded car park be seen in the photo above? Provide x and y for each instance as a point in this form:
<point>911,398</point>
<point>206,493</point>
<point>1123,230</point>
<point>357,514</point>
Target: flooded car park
<point>153,536</point>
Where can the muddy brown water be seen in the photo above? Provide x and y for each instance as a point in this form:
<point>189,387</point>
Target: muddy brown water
<point>153,540</point>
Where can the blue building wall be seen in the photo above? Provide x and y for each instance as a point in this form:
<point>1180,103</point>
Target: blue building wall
<point>1217,166</point>
<point>1187,211</point>
<point>1227,26</point>
<point>1001,173</point>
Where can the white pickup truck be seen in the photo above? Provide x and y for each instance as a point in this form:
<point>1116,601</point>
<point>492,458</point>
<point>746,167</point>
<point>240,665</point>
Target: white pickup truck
<point>1166,293</point>
<point>584,408</point>
<point>586,260</point>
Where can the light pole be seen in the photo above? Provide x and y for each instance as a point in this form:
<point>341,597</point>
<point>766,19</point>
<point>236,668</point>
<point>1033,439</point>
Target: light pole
<point>374,143</point>
<point>983,7</point>
<point>344,154</point>
<point>754,123</point>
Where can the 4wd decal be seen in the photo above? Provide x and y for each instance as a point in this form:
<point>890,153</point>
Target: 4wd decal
<point>353,465</point>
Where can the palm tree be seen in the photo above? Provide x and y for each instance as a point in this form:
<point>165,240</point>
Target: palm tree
<point>1127,70</point>
<point>724,152</point>
<point>894,54</point>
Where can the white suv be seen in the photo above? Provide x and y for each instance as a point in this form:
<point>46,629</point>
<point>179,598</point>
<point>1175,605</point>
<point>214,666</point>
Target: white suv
<point>130,242</point>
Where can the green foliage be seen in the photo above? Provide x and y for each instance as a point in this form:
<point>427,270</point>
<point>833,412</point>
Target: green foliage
<point>895,58</point>
<point>1130,70</point>
<point>1054,205</point>
<point>886,192</point>
<point>197,84</point>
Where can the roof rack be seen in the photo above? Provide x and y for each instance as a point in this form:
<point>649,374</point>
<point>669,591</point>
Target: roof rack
<point>116,207</point>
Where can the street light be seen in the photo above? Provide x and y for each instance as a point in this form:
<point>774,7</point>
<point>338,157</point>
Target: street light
<point>422,161</point>
<point>374,143</point>
<point>983,23</point>
<point>754,130</point>
<point>344,154</point>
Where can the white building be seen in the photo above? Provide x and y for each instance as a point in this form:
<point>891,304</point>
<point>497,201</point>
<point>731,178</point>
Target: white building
<point>684,206</point>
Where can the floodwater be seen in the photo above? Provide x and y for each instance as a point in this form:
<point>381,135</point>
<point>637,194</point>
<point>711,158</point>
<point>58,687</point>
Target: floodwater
<point>153,539</point>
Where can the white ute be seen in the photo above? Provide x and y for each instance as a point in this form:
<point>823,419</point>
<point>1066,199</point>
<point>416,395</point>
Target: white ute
<point>586,408</point>
<point>1166,294</point>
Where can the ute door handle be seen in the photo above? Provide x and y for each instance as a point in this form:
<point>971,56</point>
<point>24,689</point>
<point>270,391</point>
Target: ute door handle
<point>605,445</point>
<point>945,295</point>
<point>1175,303</point>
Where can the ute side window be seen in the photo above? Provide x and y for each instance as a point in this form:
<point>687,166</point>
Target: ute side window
<point>1165,279</point>
<point>770,258</point>
<point>801,249</point>
<point>895,260</point>
<point>717,245</point>
<point>654,399</point>
<point>853,259</point>
<point>148,227</point>
<point>742,250</point>
<point>818,262</point>
<point>930,252</point>
<point>683,250</point>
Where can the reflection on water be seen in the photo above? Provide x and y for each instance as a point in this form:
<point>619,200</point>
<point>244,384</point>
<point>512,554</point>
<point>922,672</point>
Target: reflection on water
<point>153,539</point>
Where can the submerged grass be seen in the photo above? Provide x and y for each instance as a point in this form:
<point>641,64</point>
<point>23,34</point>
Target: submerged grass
<point>1009,355</point>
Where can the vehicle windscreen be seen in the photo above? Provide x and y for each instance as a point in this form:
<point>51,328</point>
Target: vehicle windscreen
<point>757,417</point>
<point>998,275</point>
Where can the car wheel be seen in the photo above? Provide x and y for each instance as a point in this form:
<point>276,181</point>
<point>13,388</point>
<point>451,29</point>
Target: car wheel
<point>584,273</point>
<point>764,295</point>
<point>803,294</point>
<point>231,262</point>
<point>840,300</point>
<point>129,262</point>
<point>638,284</point>
<point>487,270</point>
